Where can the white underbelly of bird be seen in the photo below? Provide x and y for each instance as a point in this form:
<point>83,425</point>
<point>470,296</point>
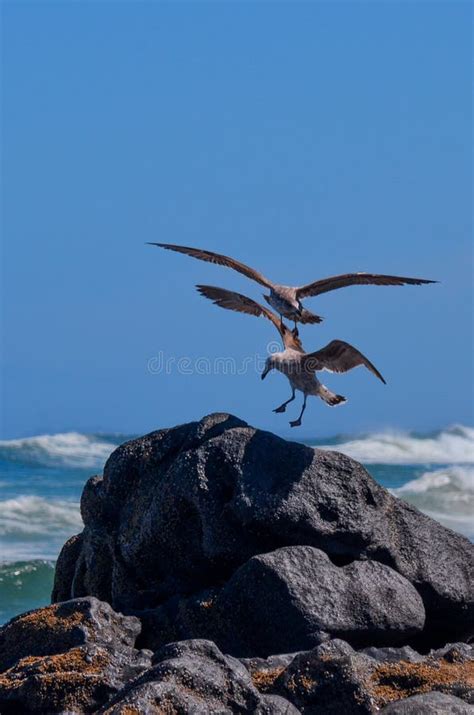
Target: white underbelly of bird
<point>300,378</point>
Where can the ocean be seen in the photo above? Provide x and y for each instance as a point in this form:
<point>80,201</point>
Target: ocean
<point>41,480</point>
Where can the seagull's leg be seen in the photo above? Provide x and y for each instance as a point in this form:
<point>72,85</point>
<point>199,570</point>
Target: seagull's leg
<point>282,407</point>
<point>296,423</point>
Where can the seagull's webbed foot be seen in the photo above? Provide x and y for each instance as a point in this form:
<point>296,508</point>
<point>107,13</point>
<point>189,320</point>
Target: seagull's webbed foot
<point>297,423</point>
<point>282,407</point>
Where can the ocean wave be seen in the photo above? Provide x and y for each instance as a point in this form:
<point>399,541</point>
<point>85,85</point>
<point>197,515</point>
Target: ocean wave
<point>454,480</point>
<point>33,516</point>
<point>445,494</point>
<point>71,449</point>
<point>24,585</point>
<point>454,445</point>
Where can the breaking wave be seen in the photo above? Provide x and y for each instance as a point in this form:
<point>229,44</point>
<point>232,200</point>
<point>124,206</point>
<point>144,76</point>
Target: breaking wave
<point>35,527</point>
<point>71,449</point>
<point>445,494</point>
<point>35,516</point>
<point>454,445</point>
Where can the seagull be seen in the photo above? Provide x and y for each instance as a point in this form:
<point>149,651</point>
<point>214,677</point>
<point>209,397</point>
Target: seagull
<point>297,365</point>
<point>286,300</point>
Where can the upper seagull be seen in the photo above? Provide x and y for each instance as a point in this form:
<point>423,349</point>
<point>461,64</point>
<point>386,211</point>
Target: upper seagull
<point>286,300</point>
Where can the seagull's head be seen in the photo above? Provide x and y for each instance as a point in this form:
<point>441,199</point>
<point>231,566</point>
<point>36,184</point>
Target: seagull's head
<point>269,365</point>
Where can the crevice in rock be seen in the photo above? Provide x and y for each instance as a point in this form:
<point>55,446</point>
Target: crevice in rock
<point>342,559</point>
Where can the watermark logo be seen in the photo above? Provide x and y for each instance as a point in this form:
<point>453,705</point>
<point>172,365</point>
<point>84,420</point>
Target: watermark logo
<point>165,364</point>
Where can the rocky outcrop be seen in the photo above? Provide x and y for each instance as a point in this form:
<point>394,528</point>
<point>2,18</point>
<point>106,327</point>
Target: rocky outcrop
<point>311,600</point>
<point>219,541</point>
<point>179,511</point>
<point>88,664</point>
<point>72,656</point>
<point>195,677</point>
<point>334,678</point>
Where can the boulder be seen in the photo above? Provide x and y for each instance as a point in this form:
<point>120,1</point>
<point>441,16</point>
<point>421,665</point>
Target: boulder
<point>56,629</point>
<point>195,677</point>
<point>333,678</point>
<point>289,557</point>
<point>393,655</point>
<point>179,511</point>
<point>430,703</point>
<point>329,680</point>
<point>72,656</point>
<point>295,597</point>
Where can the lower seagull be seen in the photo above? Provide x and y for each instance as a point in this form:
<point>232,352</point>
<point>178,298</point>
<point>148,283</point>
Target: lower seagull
<point>297,365</point>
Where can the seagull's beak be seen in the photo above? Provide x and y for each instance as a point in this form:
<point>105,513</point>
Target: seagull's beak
<point>265,372</point>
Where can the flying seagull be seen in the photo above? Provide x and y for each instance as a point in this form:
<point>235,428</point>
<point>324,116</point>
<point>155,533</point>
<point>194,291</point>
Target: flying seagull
<point>286,300</point>
<point>298,366</point>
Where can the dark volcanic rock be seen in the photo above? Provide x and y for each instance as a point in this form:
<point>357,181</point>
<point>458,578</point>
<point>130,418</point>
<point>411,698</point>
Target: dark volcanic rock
<point>195,677</point>
<point>431,704</point>
<point>311,599</point>
<point>66,568</point>
<point>69,657</point>
<point>301,590</point>
<point>215,531</point>
<point>393,655</point>
<point>179,511</point>
<point>333,679</point>
<point>328,680</point>
<point>55,629</point>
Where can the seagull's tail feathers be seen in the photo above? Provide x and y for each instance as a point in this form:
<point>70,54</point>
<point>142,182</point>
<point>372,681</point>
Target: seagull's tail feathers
<point>329,397</point>
<point>308,317</point>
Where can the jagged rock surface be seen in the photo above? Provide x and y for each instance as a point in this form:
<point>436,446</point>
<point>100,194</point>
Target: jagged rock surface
<point>311,600</point>
<point>180,510</point>
<point>195,677</point>
<point>68,657</point>
<point>334,678</point>
<point>215,531</point>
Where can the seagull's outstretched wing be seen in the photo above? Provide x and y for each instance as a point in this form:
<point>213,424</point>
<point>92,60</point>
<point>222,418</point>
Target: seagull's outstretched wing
<point>350,279</point>
<point>338,356</point>
<point>230,300</point>
<point>219,259</point>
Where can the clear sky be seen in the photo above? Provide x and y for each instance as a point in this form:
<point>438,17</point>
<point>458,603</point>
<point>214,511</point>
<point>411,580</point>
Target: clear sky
<point>305,139</point>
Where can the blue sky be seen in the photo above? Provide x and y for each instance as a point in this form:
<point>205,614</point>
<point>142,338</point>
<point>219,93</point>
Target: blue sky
<point>305,139</point>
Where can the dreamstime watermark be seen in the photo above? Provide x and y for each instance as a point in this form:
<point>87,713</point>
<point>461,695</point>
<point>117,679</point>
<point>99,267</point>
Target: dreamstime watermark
<point>165,364</point>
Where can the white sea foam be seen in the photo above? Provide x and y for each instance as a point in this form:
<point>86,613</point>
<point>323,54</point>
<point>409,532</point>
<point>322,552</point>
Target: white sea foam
<point>454,480</point>
<point>454,445</point>
<point>32,516</point>
<point>68,449</point>
<point>445,494</point>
